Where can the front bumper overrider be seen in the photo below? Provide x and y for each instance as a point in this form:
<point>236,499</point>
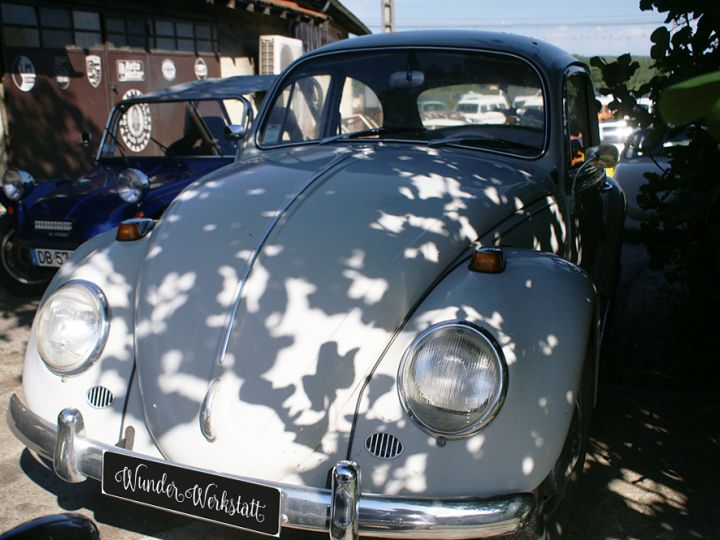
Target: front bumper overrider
<point>343,511</point>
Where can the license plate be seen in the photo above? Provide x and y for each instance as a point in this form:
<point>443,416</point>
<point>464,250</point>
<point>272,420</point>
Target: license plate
<point>199,494</point>
<point>50,257</point>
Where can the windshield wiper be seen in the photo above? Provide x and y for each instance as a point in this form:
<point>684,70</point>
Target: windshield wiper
<point>207,134</point>
<point>484,140</point>
<point>165,152</point>
<point>119,147</point>
<point>367,132</point>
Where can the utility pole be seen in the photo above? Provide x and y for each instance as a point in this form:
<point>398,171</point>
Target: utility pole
<point>388,15</point>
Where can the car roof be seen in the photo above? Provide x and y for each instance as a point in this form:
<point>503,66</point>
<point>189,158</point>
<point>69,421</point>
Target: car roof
<point>542,53</point>
<point>228,87</point>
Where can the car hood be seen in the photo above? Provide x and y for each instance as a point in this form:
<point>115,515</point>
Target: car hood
<point>319,253</point>
<point>95,193</point>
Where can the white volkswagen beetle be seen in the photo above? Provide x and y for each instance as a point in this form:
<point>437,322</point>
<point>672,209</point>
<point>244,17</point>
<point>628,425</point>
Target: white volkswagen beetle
<point>419,304</point>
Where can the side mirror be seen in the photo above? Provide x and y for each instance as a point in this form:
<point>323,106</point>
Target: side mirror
<point>85,139</point>
<point>235,132</point>
<point>605,156</point>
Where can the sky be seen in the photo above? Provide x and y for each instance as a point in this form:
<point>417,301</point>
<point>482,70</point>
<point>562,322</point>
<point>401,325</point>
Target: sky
<point>608,27</point>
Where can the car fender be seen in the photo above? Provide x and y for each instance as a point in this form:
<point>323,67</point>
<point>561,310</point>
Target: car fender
<point>615,209</point>
<point>541,311</point>
<point>112,266</point>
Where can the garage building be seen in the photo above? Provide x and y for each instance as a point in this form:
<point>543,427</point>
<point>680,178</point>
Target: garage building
<point>64,65</point>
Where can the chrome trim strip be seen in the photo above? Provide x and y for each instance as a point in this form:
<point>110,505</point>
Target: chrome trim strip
<point>222,350</point>
<point>309,508</point>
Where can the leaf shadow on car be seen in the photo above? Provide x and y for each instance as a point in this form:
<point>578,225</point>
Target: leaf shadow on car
<point>290,316</point>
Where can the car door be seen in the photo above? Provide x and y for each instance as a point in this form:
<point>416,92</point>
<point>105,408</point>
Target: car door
<point>584,185</point>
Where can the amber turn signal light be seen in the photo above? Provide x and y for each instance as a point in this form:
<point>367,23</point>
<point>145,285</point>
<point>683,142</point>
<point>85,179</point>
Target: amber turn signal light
<point>488,260</point>
<point>134,229</point>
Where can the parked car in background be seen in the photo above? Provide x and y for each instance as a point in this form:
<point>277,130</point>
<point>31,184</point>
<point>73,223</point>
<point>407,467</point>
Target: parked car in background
<point>422,306</point>
<point>615,132</point>
<point>644,153</point>
<point>481,108</point>
<point>153,147</point>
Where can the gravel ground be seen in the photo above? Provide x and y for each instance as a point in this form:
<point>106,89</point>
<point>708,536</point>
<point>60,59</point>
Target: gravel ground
<point>650,472</point>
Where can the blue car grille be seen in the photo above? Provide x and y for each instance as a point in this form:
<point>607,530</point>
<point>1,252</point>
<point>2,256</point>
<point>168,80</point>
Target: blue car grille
<point>44,225</point>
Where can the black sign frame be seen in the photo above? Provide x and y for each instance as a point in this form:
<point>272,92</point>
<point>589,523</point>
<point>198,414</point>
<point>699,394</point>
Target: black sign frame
<point>193,492</point>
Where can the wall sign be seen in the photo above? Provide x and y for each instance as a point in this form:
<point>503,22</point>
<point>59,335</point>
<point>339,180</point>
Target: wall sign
<point>130,70</point>
<point>168,70</point>
<point>201,69</point>
<point>23,73</point>
<point>136,124</point>
<point>62,72</point>
<point>93,67</point>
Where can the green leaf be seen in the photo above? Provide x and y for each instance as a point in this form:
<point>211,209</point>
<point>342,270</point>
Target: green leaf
<point>661,36</point>
<point>597,62</point>
<point>692,100</point>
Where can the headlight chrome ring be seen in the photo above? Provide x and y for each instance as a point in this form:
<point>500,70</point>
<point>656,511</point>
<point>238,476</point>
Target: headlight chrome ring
<point>132,185</point>
<point>72,327</point>
<point>453,379</point>
<point>16,183</point>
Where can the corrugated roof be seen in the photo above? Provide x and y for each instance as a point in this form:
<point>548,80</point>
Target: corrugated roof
<point>320,10</point>
<point>340,14</point>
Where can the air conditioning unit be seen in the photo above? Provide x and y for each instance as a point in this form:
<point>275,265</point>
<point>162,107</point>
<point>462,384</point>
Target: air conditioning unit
<point>277,53</point>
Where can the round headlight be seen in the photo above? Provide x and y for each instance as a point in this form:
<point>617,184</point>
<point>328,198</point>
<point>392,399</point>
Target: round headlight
<point>72,327</point>
<point>16,183</point>
<point>452,379</point>
<point>132,184</point>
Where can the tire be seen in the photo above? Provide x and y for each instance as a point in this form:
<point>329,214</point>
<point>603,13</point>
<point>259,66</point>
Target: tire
<point>17,274</point>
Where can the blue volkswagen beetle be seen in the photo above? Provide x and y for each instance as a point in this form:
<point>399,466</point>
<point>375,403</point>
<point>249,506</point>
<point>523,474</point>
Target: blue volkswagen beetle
<point>153,147</point>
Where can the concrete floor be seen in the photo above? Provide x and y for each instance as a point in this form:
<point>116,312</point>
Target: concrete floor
<point>651,469</point>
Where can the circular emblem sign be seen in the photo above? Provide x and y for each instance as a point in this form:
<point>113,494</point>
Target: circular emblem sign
<point>136,124</point>
<point>24,75</point>
<point>168,70</point>
<point>201,69</point>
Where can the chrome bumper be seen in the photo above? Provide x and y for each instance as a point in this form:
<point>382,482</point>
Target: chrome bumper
<point>343,511</point>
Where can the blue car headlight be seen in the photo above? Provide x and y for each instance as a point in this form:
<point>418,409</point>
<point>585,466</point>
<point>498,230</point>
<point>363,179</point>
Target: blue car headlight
<point>132,185</point>
<point>16,183</point>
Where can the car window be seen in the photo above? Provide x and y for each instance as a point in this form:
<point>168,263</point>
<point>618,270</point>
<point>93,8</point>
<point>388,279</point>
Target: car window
<point>296,114</point>
<point>359,107</point>
<point>433,96</point>
<point>175,129</point>
<point>577,107</point>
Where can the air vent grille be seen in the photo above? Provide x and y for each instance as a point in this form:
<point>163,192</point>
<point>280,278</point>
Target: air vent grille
<point>384,445</point>
<point>53,226</point>
<point>100,397</point>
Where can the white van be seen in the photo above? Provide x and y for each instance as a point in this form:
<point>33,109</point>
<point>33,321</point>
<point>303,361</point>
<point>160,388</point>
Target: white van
<point>483,108</point>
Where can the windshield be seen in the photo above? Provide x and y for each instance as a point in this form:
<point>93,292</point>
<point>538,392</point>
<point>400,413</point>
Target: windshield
<point>175,129</point>
<point>431,96</point>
